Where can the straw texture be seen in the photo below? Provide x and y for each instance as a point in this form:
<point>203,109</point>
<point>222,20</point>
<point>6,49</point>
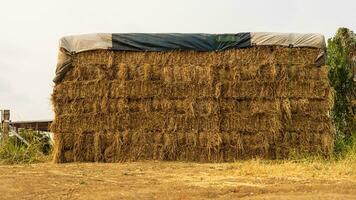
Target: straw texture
<point>267,102</point>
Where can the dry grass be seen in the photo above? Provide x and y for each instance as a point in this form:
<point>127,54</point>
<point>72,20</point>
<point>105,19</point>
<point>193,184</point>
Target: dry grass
<point>253,179</point>
<point>309,169</point>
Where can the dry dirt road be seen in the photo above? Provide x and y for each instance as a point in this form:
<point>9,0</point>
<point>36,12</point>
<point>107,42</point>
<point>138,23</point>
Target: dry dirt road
<point>176,180</point>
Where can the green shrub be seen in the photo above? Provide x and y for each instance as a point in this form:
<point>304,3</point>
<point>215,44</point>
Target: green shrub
<point>14,151</point>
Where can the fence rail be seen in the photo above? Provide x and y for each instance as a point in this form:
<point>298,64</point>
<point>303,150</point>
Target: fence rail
<point>43,125</point>
<point>40,125</point>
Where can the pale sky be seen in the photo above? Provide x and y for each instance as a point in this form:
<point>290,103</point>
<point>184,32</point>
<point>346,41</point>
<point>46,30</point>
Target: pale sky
<point>30,30</point>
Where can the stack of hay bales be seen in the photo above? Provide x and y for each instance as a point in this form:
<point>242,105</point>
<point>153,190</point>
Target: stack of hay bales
<point>267,101</point>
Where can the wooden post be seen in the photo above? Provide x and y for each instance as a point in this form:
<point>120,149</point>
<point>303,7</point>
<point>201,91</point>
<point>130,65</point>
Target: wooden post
<point>5,122</point>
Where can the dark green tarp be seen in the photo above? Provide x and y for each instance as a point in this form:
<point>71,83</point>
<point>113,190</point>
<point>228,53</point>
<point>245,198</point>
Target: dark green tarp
<point>179,41</point>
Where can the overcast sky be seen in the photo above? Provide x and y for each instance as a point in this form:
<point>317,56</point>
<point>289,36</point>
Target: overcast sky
<point>30,30</point>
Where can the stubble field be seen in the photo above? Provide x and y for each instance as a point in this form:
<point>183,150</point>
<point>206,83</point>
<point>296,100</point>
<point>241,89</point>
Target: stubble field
<point>177,180</point>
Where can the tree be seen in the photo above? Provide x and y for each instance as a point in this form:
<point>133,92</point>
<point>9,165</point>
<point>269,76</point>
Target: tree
<point>340,52</point>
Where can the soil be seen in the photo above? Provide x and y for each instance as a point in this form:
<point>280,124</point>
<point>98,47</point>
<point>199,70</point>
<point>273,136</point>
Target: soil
<point>174,180</point>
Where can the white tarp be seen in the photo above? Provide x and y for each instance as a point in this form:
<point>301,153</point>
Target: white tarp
<point>288,39</point>
<point>86,42</point>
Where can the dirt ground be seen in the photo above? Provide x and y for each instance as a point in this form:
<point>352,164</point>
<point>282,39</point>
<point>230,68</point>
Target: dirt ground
<point>177,180</point>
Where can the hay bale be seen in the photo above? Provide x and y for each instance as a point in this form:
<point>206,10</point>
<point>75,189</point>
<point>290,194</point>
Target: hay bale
<point>263,101</point>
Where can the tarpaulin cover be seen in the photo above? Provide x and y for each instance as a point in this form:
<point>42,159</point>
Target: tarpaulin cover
<point>178,42</point>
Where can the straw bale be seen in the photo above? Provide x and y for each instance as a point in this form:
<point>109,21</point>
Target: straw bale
<point>266,102</point>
